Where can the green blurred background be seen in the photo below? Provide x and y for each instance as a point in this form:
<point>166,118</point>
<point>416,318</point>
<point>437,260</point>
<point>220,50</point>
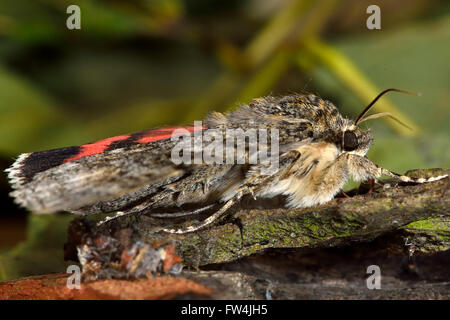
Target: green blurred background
<point>140,64</point>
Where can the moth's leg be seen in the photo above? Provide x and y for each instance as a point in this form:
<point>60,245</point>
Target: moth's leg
<point>342,192</point>
<point>363,169</point>
<point>138,210</point>
<point>367,186</point>
<point>118,214</point>
<point>205,222</point>
<point>143,208</point>
<point>182,213</point>
<point>409,179</point>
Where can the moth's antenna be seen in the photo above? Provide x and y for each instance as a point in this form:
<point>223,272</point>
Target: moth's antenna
<point>366,109</point>
<point>384,114</point>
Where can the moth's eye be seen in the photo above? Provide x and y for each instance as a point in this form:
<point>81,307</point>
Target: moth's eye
<point>350,141</point>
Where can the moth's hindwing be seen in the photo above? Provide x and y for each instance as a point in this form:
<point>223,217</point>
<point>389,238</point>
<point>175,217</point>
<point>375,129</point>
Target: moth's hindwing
<point>69,178</point>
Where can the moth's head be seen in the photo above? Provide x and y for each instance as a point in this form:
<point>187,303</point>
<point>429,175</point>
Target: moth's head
<point>357,141</point>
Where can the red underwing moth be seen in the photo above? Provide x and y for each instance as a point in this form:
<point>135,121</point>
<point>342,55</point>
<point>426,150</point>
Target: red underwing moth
<point>316,150</point>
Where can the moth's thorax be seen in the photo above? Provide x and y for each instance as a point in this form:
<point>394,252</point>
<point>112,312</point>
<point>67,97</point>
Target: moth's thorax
<point>322,167</point>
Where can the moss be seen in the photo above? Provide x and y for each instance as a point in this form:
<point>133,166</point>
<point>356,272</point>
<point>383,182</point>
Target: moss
<point>336,223</point>
<point>436,231</point>
<point>433,224</point>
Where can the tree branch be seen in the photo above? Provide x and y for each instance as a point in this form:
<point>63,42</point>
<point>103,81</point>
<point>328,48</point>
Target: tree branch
<point>417,212</point>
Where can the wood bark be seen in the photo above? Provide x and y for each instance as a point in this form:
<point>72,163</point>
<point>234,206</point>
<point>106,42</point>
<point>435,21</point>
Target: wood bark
<point>417,217</point>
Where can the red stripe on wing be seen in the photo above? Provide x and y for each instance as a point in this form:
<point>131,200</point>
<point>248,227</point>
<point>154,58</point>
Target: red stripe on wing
<point>96,147</point>
<point>165,133</point>
<point>146,137</point>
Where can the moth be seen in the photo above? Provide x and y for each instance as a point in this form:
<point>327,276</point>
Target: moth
<point>318,150</point>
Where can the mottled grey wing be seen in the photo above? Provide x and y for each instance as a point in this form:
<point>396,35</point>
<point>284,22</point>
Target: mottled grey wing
<point>50,181</point>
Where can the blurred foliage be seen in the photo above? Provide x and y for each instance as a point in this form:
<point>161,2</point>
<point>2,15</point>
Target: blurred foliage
<point>42,252</point>
<point>147,63</point>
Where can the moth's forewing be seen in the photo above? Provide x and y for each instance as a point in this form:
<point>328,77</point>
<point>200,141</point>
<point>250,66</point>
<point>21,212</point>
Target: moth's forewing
<point>69,178</point>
